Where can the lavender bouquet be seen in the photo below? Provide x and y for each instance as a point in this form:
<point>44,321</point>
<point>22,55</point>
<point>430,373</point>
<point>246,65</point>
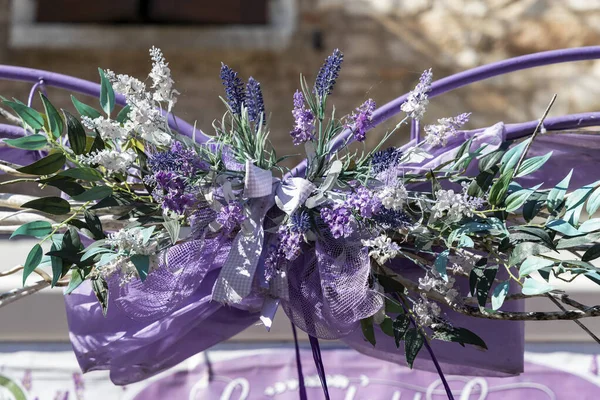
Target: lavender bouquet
<point>140,202</point>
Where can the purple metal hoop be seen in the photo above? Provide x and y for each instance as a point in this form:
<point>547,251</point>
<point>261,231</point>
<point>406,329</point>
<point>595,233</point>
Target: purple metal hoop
<point>77,85</point>
<point>477,74</point>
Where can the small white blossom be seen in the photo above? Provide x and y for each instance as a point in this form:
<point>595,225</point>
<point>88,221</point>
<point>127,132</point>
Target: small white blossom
<point>426,312</point>
<point>107,128</point>
<point>455,205</point>
<point>393,197</point>
<point>133,89</point>
<point>432,281</point>
<point>162,83</point>
<point>382,249</point>
<point>417,101</point>
<point>114,161</point>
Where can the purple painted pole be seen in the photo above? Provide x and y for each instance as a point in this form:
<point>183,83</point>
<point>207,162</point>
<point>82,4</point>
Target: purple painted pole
<point>461,79</point>
<point>82,86</point>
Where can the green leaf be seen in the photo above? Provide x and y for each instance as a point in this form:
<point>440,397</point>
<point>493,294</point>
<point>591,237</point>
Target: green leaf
<point>367,329</point>
<point>490,160</point>
<point>593,202</point>
<point>95,193</point>
<point>94,251</point>
<point>481,280</point>
<point>440,264</point>
<point>413,342</point>
<point>557,194</point>
<point>533,206</point>
<point>83,173</point>
<point>65,184</point>
<point>515,200</point>
<point>172,226</point>
<point>532,233</point>
<point>76,280</point>
<point>49,205</point>
<point>532,164</point>
<point>524,250</point>
<point>142,265</point>
<point>592,253</point>
<point>94,225</point>
<point>532,287</point>
<point>57,265</point>
<point>387,326</point>
<point>389,284</point>
<point>392,307</point>
<point>123,114</point>
<point>30,142</point>
<point>107,94</point>
<point>532,264</point>
<point>500,292</point>
<point>97,144</point>
<point>511,157</point>
<point>563,227</point>
<point>500,187</point>
<point>400,326</point>
<point>33,260</point>
<point>76,133</point>
<point>45,166</point>
<point>590,225</point>
<point>84,109</point>
<point>459,335</point>
<point>100,288</point>
<point>37,229</point>
<point>30,117</point>
<point>55,122</point>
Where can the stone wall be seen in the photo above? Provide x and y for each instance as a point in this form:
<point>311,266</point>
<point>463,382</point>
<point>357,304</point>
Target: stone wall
<point>387,44</point>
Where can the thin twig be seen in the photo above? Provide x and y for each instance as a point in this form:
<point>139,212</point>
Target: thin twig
<point>535,133</point>
<point>9,117</point>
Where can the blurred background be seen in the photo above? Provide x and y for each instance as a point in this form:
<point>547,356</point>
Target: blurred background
<point>387,44</point>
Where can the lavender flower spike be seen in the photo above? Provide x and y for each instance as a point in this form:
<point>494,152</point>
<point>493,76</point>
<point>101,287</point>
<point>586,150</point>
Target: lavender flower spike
<point>254,101</point>
<point>234,89</point>
<point>359,121</point>
<point>305,121</point>
<point>438,134</point>
<point>328,74</point>
<point>417,100</point>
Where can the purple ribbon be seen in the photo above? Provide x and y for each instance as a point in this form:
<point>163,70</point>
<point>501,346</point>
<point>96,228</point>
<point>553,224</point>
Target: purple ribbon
<point>301,384</point>
<point>316,350</point>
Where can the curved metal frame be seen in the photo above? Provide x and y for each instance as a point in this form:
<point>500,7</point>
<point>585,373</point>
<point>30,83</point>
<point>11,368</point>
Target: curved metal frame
<point>42,78</point>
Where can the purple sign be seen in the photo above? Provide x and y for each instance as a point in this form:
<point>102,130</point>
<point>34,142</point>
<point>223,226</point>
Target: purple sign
<point>351,376</point>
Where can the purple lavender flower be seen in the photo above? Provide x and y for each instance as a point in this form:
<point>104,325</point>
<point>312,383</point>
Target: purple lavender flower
<point>300,222</point>
<point>290,242</point>
<point>365,201</point>
<point>234,89</point>
<point>254,101</point>
<point>359,121</point>
<point>304,119</point>
<point>231,216</point>
<point>338,219</point>
<point>172,191</point>
<point>328,74</point>
<point>181,160</point>
<point>385,159</point>
<point>391,219</point>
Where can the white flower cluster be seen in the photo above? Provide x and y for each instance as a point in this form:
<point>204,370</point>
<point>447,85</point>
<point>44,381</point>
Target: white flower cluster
<point>382,248</point>
<point>108,129</point>
<point>432,281</point>
<point>438,134</point>
<point>417,101</point>
<point>426,312</point>
<point>393,197</point>
<point>162,83</point>
<point>145,117</point>
<point>455,205</point>
<point>130,241</point>
<point>113,160</point>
